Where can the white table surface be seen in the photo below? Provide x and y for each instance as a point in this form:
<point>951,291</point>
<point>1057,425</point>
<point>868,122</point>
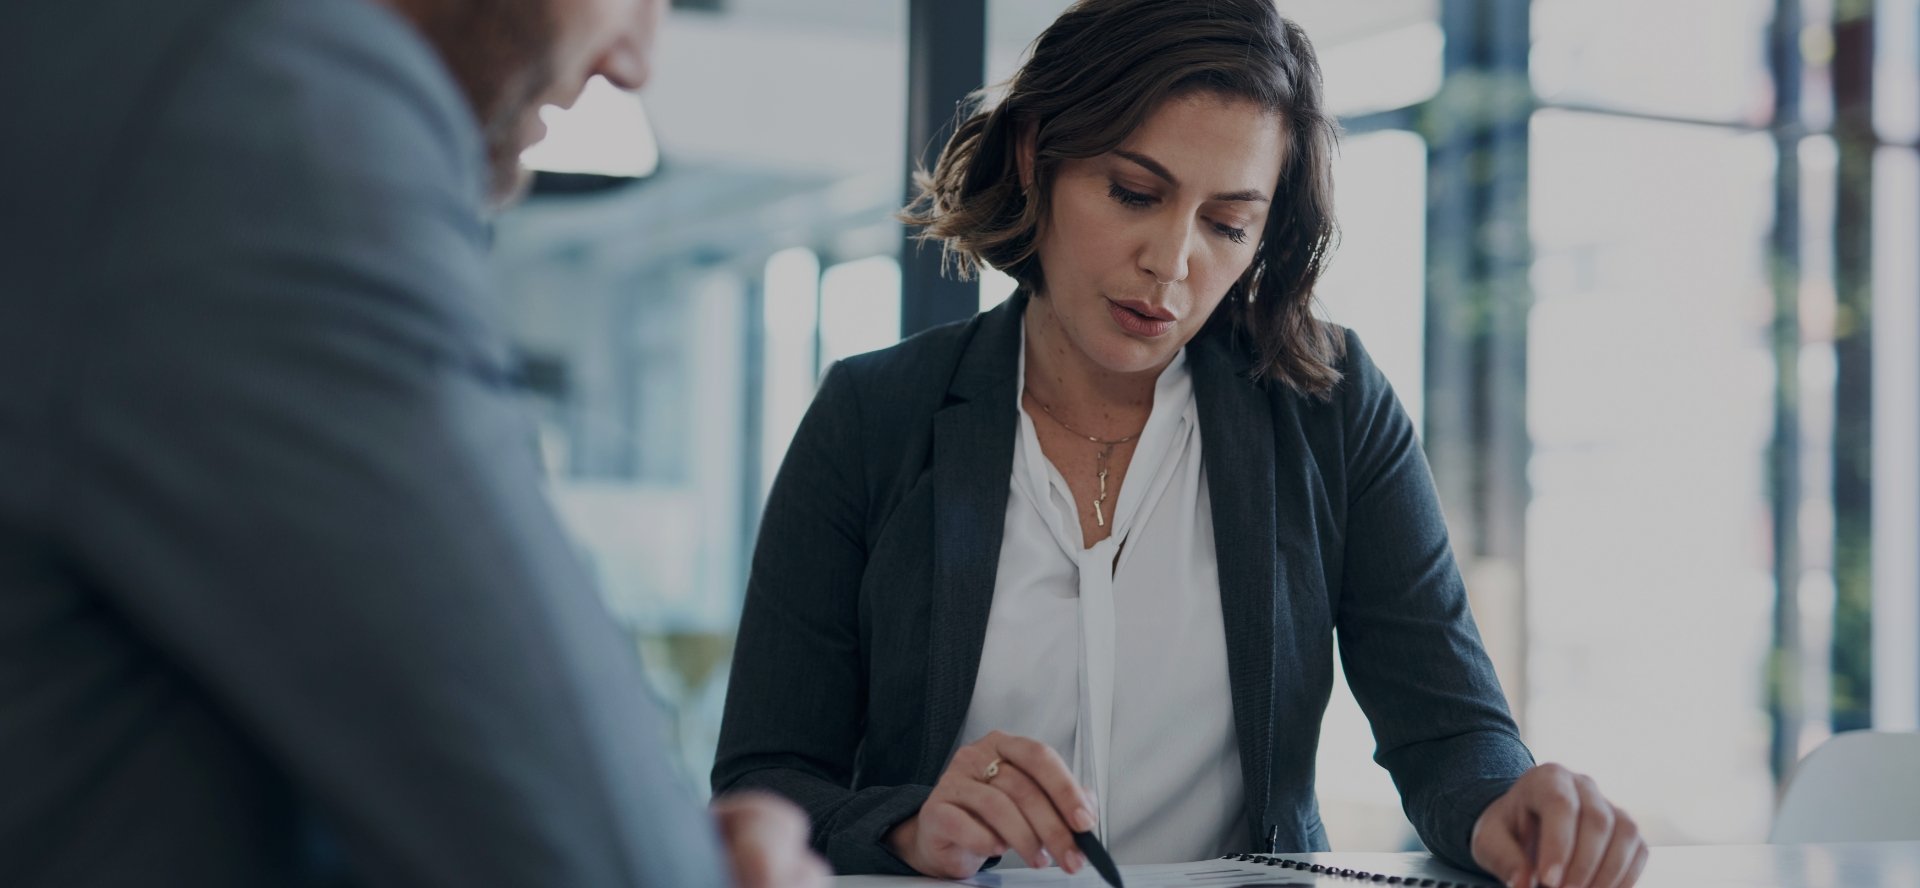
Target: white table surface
<point>1849,865</point>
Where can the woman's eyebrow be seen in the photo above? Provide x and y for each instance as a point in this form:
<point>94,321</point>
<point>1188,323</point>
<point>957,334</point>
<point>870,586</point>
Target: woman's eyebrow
<point>1248,195</point>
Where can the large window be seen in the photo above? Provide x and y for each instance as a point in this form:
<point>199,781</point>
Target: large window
<point>1650,405</point>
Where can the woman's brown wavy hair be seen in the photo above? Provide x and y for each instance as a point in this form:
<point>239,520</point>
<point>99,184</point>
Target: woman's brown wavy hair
<point>1094,76</point>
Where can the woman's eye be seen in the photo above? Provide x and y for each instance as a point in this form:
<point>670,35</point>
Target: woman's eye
<point>1127,196</point>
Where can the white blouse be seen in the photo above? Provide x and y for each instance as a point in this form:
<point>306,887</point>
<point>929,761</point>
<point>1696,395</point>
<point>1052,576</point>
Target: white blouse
<point>1120,663</point>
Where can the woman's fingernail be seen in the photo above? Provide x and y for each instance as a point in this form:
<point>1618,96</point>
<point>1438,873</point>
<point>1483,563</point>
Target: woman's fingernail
<point>1083,820</point>
<point>1553,876</point>
<point>1079,861</point>
<point>1043,861</point>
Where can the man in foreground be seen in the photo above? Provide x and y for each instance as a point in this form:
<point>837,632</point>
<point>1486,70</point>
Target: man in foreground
<point>281,601</point>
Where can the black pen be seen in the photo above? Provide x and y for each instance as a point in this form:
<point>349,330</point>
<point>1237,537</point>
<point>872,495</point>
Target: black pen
<point>1098,856</point>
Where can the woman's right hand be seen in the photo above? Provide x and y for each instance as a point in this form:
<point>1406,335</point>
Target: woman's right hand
<point>1000,792</point>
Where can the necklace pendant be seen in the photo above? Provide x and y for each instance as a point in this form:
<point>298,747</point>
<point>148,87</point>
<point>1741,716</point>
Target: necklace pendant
<point>1099,518</point>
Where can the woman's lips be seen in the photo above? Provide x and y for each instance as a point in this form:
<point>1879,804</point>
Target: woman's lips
<point>1139,322</point>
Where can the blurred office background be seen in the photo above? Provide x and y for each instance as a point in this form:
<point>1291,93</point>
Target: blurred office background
<point>1644,271</point>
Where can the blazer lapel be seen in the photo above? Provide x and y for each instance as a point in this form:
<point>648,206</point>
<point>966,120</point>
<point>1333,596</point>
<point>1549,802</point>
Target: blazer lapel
<point>1236,432</point>
<point>973,441</point>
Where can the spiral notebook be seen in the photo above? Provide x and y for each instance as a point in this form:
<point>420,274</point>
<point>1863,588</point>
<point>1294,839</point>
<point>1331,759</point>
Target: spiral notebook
<point>1255,871</point>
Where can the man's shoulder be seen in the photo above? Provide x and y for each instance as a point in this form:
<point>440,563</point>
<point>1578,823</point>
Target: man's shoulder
<point>293,163</point>
<point>98,69</point>
<point>333,79</point>
<point>118,93</point>
<point>294,126</point>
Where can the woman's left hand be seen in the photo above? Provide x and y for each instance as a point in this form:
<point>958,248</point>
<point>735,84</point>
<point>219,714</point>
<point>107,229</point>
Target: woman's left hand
<point>1554,828</point>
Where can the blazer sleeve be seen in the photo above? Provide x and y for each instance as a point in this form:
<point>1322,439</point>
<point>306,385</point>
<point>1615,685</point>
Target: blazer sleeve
<point>294,467</point>
<point>796,702</point>
<point>1408,643</point>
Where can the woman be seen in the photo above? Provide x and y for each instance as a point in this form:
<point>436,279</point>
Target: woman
<point>997,569</point>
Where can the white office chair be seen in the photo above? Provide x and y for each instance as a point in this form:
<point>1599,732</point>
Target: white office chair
<point>1860,786</point>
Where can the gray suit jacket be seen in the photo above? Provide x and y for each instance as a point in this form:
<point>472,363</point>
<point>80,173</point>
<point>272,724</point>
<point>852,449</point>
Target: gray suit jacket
<point>273,546</point>
<point>867,606</point>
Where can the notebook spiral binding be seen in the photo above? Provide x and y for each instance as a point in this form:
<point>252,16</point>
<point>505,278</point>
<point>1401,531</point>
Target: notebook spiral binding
<point>1344,873</point>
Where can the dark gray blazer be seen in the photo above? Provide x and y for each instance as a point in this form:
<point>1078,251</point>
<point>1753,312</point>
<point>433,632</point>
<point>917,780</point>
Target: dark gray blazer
<point>867,605</point>
<point>274,550</point>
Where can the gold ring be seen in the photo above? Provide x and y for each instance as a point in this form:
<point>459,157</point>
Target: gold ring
<point>993,770</point>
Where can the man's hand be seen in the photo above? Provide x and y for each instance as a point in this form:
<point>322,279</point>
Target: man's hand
<point>766,839</point>
<point>1554,828</point>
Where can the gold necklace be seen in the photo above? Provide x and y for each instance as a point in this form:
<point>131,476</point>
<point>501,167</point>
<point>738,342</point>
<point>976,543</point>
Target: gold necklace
<point>1106,451</point>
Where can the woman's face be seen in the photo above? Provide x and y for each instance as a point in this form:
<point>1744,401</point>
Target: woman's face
<point>1143,242</point>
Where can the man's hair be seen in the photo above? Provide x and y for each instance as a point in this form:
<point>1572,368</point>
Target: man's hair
<point>1095,75</point>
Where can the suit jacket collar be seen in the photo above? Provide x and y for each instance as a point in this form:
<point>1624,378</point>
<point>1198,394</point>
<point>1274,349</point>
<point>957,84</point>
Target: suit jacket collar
<point>1237,448</point>
<point>972,464</point>
<point>973,441</point>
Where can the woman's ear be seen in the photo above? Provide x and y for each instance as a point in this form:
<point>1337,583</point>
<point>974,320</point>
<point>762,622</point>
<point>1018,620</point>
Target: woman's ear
<point>1025,140</point>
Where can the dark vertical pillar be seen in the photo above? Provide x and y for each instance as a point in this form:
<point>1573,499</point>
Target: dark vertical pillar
<point>1853,351</point>
<point>753,425</point>
<point>946,62</point>
<point>1915,542</point>
<point>1478,297</point>
<point>1783,454</point>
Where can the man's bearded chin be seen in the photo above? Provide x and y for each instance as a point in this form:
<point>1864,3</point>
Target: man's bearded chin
<point>508,180</point>
<point>500,52</point>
